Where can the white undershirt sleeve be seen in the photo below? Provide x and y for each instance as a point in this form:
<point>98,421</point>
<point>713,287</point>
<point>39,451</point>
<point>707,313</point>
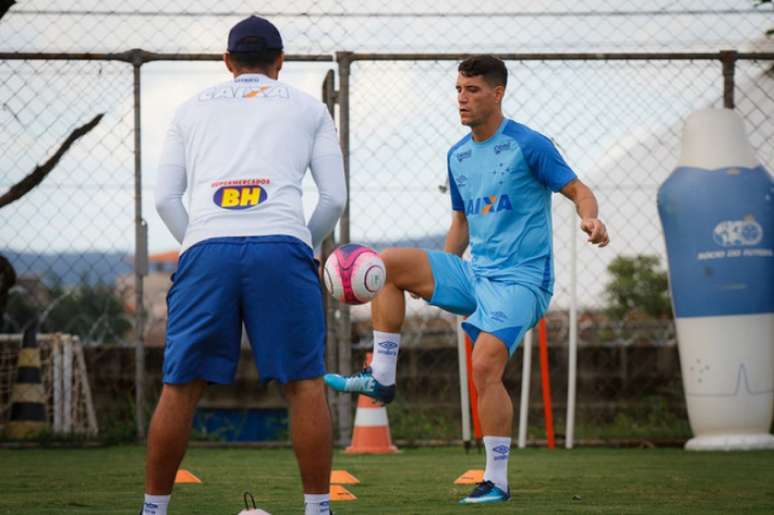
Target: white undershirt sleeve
<point>171,183</point>
<point>327,166</point>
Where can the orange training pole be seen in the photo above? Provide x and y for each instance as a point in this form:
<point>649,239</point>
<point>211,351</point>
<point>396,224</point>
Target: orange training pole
<point>546,382</point>
<point>472,389</point>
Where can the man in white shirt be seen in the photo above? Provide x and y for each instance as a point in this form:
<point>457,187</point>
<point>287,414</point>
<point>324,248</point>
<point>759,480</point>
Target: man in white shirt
<point>240,150</point>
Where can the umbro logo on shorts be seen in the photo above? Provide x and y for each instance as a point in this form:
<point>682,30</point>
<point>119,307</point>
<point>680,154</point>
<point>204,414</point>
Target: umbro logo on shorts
<point>499,316</point>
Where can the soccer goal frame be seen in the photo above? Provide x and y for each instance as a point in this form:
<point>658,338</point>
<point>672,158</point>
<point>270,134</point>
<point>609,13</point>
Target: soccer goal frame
<point>69,402</point>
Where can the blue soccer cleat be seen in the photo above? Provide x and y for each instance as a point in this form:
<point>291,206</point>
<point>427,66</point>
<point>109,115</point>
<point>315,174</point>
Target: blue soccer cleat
<point>362,383</point>
<point>486,493</point>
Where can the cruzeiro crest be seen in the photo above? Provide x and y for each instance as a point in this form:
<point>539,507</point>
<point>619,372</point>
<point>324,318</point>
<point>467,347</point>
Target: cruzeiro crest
<point>735,233</point>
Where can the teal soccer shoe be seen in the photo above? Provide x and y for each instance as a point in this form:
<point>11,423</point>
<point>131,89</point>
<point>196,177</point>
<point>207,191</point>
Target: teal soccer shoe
<point>362,383</point>
<point>486,493</point>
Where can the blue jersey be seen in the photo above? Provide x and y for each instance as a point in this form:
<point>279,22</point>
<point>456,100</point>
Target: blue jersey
<point>504,185</point>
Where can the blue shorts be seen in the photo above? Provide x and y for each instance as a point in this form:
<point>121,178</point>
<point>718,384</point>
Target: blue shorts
<point>270,284</point>
<point>505,310</point>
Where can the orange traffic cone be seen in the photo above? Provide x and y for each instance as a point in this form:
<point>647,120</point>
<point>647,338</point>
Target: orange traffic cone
<point>371,434</point>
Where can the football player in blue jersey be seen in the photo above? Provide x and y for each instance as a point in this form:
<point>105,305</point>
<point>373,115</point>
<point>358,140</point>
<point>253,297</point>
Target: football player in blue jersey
<point>501,177</point>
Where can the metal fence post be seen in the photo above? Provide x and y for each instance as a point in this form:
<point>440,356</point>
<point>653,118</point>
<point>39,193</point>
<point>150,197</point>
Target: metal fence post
<point>572,356</point>
<point>329,97</point>
<point>344,60</point>
<point>140,254</point>
<point>728,59</point>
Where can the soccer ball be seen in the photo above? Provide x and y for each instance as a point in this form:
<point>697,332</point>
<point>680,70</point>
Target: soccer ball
<point>354,274</point>
<point>254,511</point>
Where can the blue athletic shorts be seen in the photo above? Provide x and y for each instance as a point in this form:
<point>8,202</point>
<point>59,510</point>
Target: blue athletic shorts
<point>270,284</point>
<point>506,310</point>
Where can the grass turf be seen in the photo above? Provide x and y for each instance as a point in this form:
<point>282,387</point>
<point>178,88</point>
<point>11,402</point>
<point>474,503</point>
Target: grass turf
<point>109,480</point>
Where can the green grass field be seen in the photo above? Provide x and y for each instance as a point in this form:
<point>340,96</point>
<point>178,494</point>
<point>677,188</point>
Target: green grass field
<point>109,480</point>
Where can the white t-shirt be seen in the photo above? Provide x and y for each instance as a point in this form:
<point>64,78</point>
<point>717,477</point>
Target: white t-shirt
<point>241,149</point>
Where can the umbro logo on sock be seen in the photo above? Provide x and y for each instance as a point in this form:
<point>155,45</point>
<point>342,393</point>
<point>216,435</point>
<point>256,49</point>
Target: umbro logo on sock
<point>502,451</point>
<point>387,348</point>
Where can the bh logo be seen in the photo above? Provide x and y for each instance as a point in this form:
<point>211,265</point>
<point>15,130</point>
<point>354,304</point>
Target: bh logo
<point>501,452</point>
<point>732,233</point>
<point>239,197</point>
<point>387,348</point>
<point>488,204</point>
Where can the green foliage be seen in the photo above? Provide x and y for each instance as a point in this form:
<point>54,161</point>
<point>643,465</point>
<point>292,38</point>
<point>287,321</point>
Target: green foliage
<point>19,311</point>
<point>117,419</point>
<point>92,311</point>
<point>637,286</point>
<point>413,424</point>
<point>651,418</point>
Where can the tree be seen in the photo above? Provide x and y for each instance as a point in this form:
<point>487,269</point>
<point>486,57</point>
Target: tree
<point>30,182</point>
<point>637,286</point>
<point>92,311</point>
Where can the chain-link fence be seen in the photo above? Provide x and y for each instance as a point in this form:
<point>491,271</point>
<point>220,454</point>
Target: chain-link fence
<point>82,210</point>
<point>76,249</point>
<point>73,239</point>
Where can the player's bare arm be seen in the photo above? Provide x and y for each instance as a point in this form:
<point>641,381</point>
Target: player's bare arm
<point>458,236</point>
<point>588,211</point>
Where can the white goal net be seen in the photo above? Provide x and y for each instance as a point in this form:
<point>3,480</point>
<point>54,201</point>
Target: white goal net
<point>69,405</point>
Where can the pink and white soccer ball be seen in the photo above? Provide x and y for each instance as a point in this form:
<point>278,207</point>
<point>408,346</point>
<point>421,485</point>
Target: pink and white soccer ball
<point>354,274</point>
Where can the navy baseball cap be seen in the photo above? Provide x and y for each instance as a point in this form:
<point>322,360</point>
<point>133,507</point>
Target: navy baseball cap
<point>254,34</point>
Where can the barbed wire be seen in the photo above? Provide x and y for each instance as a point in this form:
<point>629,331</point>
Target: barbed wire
<point>313,26</point>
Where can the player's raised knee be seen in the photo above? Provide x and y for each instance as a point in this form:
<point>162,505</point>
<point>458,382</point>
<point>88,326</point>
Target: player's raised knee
<point>408,269</point>
<point>395,264</point>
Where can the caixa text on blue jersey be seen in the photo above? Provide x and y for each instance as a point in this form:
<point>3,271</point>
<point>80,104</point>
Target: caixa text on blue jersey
<point>488,204</point>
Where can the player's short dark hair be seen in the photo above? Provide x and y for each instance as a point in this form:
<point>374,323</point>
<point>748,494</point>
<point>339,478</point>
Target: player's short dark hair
<point>257,59</point>
<point>488,66</point>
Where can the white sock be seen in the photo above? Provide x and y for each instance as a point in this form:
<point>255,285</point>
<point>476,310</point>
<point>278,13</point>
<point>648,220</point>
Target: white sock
<point>385,357</point>
<point>317,504</point>
<point>498,448</point>
<point>155,504</point>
